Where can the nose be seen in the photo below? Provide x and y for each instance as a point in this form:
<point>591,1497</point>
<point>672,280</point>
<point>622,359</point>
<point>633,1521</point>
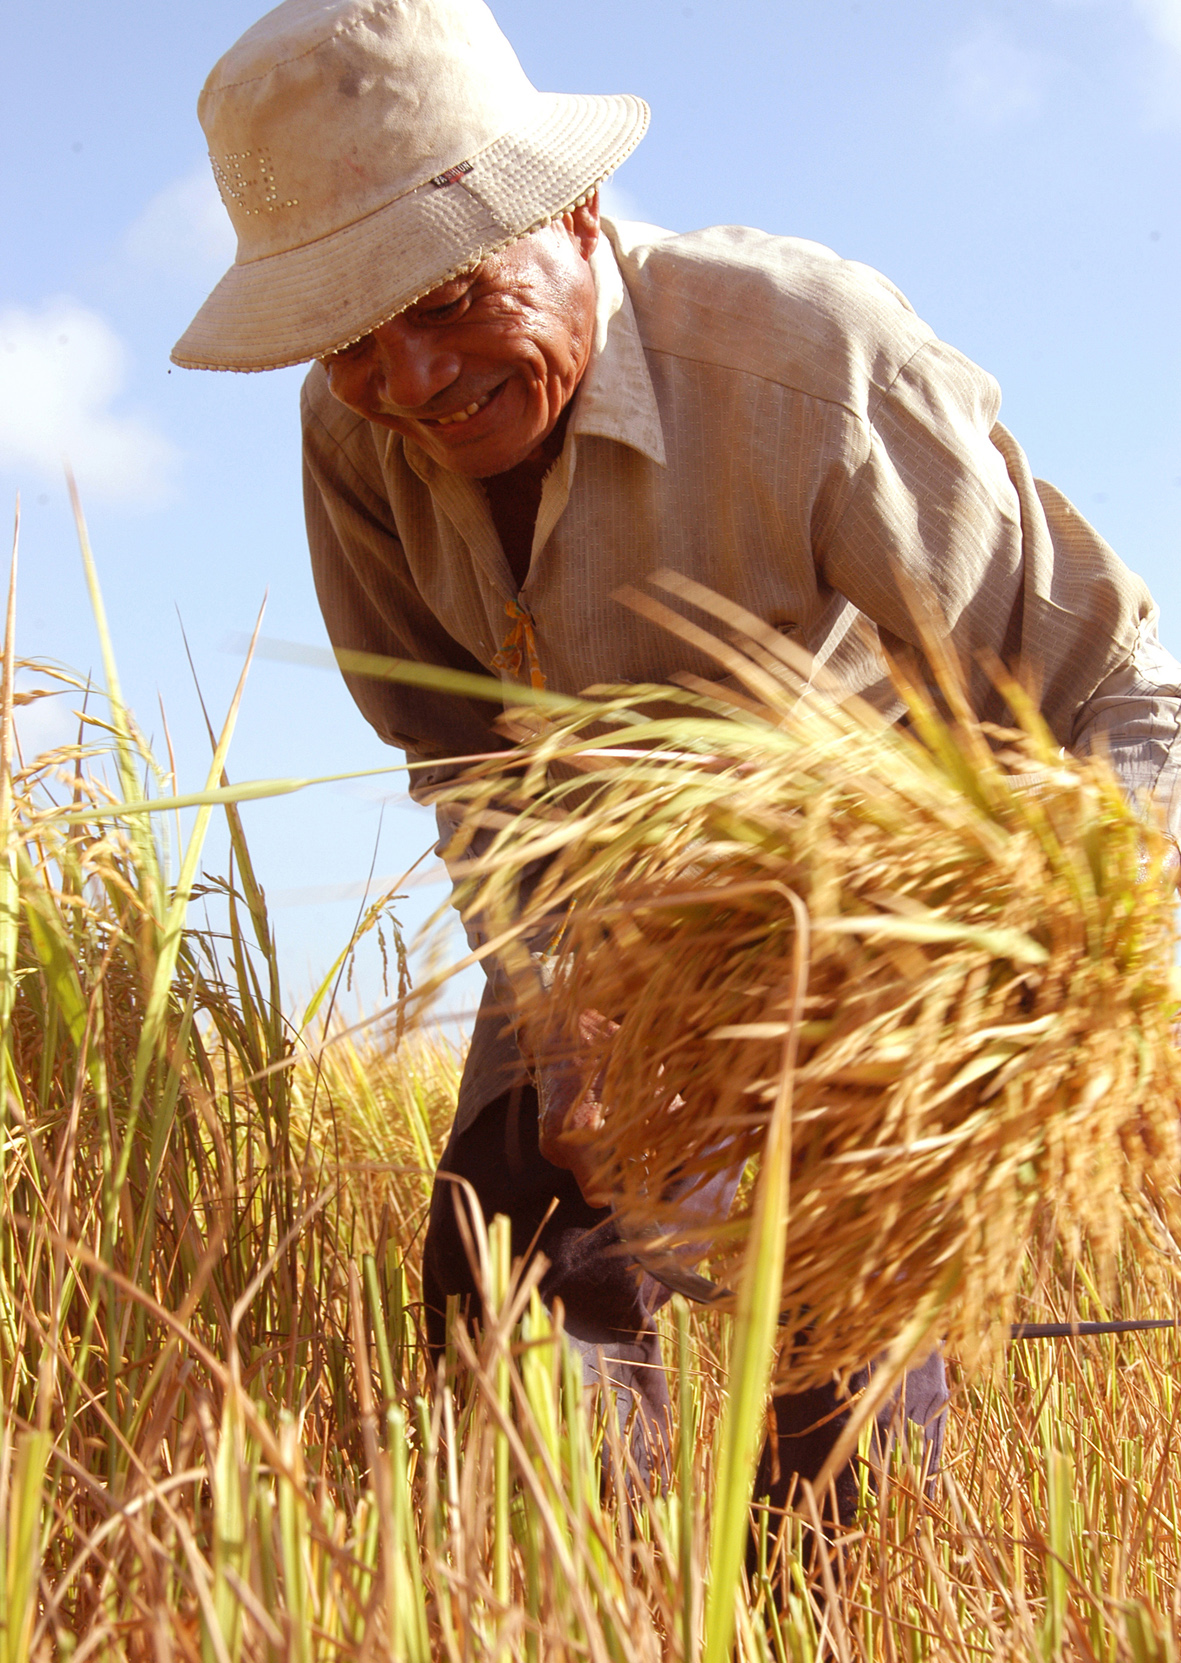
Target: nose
<point>408,366</point>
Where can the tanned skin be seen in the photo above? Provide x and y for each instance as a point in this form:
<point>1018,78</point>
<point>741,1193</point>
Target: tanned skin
<point>502,348</point>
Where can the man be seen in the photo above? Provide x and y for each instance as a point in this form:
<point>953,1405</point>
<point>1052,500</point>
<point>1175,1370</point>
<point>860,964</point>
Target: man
<point>517,408</point>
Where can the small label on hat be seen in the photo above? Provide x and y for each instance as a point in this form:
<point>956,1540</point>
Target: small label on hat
<point>452,174</point>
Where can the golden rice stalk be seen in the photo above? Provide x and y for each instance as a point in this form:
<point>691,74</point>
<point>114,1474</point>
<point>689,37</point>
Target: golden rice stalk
<point>984,1053</point>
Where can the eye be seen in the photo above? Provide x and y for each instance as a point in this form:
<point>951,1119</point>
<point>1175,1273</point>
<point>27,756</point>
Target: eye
<point>443,311</point>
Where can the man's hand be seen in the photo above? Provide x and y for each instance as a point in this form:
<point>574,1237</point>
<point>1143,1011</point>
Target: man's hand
<point>570,1108</point>
<point>1167,872</point>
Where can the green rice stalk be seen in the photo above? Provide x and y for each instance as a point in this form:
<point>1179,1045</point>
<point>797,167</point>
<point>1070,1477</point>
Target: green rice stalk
<point>230,1544</point>
<point>293,1550</point>
<point>1059,1492</point>
<point>752,1353</point>
<point>500,1272</point>
<point>686,1513</point>
<point>23,1544</point>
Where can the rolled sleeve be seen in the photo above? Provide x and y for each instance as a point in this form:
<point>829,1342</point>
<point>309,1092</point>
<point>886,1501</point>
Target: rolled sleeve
<point>1134,718</point>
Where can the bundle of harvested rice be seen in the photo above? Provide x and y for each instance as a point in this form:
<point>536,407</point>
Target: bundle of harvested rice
<point>957,942</point>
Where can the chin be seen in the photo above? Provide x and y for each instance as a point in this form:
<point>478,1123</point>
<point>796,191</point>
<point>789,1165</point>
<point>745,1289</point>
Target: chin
<point>488,457</point>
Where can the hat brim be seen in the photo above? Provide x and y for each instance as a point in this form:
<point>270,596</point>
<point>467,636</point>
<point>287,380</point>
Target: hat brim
<point>308,302</point>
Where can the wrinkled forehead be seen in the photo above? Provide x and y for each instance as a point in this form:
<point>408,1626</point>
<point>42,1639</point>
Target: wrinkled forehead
<point>520,267</point>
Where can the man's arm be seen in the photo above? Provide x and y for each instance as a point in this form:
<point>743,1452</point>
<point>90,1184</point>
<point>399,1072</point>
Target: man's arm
<point>1134,718</point>
<point>944,508</point>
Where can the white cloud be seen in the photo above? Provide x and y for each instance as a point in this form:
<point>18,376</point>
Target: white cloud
<point>993,80</point>
<point>60,369</point>
<point>1161,22</point>
<point>184,231</point>
<point>47,724</point>
<point>1163,18</point>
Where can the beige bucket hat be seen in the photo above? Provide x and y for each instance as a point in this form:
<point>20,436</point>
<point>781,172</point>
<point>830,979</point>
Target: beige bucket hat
<point>367,151</point>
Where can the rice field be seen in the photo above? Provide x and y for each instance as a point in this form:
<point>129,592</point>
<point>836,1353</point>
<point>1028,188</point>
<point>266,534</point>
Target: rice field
<point>222,1438</point>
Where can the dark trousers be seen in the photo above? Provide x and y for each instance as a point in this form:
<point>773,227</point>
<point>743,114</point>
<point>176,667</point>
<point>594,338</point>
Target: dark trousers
<point>610,1306</point>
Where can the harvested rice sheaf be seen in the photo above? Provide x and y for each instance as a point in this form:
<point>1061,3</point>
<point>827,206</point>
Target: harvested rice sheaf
<point>984,1050</point>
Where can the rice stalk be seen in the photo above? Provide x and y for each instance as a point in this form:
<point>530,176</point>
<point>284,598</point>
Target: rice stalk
<point>985,1052</point>
<point>279,1433</point>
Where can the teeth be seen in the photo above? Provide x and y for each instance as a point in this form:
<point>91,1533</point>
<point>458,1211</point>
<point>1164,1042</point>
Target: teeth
<point>464,415</point>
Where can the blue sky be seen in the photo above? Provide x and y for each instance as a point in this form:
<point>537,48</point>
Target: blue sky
<point>1013,168</point>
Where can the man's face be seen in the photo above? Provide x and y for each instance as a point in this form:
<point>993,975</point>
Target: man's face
<point>478,371</point>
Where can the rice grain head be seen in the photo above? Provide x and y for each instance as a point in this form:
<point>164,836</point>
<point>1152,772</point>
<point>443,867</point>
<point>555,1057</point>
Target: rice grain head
<point>985,1047</point>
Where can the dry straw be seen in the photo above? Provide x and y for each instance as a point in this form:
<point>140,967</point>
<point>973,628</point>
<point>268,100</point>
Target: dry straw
<point>984,1055</point>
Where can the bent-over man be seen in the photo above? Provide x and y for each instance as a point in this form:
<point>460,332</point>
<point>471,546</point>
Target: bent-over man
<point>517,407</point>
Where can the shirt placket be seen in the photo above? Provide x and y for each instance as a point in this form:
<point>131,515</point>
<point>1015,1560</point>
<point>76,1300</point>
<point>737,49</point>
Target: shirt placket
<point>465,506</point>
<point>519,657</point>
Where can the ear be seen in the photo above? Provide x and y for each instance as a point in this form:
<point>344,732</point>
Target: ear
<point>582,224</point>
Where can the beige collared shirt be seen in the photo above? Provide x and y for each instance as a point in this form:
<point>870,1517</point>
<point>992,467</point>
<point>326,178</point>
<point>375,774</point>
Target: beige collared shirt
<point>777,424</point>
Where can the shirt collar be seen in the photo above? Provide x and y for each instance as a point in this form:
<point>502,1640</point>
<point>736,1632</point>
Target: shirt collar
<point>616,398</point>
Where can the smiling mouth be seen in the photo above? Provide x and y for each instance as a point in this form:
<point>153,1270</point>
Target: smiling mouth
<point>464,415</point>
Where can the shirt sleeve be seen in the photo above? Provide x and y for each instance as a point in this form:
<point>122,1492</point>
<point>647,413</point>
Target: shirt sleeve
<point>943,517</point>
<point>1134,718</point>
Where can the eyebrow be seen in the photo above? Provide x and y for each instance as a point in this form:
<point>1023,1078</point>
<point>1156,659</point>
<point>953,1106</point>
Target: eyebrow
<point>457,286</point>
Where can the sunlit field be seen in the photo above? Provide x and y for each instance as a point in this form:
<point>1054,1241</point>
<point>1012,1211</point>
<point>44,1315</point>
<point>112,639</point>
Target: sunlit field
<point>222,1436</point>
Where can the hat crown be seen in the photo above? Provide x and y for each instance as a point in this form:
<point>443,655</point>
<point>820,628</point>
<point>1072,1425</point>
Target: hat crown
<point>368,150</point>
<point>327,110</point>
